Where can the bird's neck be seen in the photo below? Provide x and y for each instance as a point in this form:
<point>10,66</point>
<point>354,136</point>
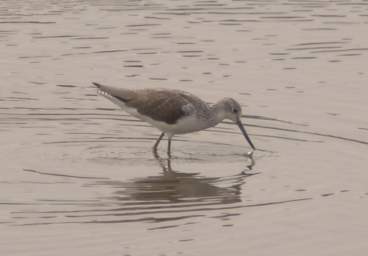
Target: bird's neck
<point>217,114</point>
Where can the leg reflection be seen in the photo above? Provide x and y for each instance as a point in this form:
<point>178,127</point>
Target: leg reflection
<point>252,161</point>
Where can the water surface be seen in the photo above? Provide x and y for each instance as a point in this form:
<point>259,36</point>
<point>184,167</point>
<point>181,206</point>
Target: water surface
<point>78,175</point>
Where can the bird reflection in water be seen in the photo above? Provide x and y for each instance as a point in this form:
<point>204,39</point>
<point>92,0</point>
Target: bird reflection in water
<point>172,187</point>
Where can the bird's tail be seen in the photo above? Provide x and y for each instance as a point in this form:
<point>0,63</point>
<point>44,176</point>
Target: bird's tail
<point>113,93</point>
<point>97,85</point>
<point>102,89</point>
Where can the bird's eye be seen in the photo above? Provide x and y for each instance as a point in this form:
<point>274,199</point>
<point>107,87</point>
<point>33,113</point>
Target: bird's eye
<point>235,111</point>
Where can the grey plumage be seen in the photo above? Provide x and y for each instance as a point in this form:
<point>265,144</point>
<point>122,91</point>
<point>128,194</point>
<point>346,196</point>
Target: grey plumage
<point>161,105</point>
<point>174,111</point>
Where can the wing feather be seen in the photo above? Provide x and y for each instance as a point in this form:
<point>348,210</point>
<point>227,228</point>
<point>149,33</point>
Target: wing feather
<point>160,105</point>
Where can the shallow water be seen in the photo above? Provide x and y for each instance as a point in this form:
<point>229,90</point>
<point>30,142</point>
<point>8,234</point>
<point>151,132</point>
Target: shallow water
<point>78,175</point>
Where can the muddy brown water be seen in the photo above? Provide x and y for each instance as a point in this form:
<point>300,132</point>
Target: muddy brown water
<point>78,176</point>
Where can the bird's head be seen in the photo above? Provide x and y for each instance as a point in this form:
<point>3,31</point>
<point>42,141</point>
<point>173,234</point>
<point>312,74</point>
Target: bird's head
<point>233,111</point>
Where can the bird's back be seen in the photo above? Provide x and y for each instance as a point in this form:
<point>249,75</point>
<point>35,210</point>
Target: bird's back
<point>158,104</point>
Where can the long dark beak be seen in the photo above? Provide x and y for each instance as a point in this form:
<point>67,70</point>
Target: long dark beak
<point>239,123</point>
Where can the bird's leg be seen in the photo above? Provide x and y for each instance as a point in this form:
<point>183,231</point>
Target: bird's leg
<point>158,142</point>
<point>165,168</point>
<point>169,147</point>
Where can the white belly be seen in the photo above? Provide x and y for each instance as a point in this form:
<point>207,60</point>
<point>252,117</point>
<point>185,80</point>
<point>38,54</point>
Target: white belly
<point>184,125</point>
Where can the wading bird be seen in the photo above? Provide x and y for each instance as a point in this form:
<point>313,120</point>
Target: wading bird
<point>173,111</point>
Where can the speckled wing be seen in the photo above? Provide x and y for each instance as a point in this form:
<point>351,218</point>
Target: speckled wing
<point>161,105</point>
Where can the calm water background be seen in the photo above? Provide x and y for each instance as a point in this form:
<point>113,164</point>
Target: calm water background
<point>78,176</point>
